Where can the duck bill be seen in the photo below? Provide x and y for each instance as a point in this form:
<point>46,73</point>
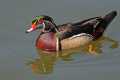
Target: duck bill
<point>33,28</point>
<point>29,30</point>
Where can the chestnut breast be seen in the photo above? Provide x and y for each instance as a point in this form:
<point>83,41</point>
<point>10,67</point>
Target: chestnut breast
<point>46,41</point>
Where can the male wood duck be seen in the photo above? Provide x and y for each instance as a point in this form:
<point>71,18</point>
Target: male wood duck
<point>70,35</point>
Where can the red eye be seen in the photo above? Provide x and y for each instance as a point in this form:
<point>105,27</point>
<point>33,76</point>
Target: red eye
<point>41,21</point>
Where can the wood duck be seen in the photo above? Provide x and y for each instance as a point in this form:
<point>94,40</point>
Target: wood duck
<point>54,37</point>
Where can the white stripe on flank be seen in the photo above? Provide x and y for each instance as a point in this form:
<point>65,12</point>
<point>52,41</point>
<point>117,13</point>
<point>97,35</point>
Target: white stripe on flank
<point>82,34</point>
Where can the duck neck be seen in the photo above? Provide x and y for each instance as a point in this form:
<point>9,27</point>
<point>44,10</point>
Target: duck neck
<point>51,27</point>
<point>55,27</point>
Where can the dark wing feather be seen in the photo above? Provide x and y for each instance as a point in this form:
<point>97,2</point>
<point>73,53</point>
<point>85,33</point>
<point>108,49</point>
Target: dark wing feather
<point>71,29</point>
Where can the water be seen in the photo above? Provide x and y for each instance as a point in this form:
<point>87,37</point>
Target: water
<point>17,48</point>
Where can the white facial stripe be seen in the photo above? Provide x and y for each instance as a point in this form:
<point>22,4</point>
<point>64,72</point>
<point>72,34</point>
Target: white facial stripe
<point>43,25</point>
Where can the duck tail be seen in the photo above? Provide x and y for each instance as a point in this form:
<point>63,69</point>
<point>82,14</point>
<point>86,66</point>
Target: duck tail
<point>103,23</point>
<point>109,17</point>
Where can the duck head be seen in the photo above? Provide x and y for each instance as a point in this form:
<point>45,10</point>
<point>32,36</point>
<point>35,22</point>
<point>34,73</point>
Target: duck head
<point>39,22</point>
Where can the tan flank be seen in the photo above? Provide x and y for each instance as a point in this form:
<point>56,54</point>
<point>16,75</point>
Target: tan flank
<point>75,42</point>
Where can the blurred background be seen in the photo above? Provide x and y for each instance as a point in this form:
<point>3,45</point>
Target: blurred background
<point>17,48</point>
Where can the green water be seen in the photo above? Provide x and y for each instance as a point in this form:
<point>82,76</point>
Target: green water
<point>17,51</point>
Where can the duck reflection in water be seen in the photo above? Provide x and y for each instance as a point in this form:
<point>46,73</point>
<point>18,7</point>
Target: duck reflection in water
<point>45,62</point>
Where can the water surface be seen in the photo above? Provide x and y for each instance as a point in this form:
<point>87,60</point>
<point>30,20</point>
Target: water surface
<point>17,48</point>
